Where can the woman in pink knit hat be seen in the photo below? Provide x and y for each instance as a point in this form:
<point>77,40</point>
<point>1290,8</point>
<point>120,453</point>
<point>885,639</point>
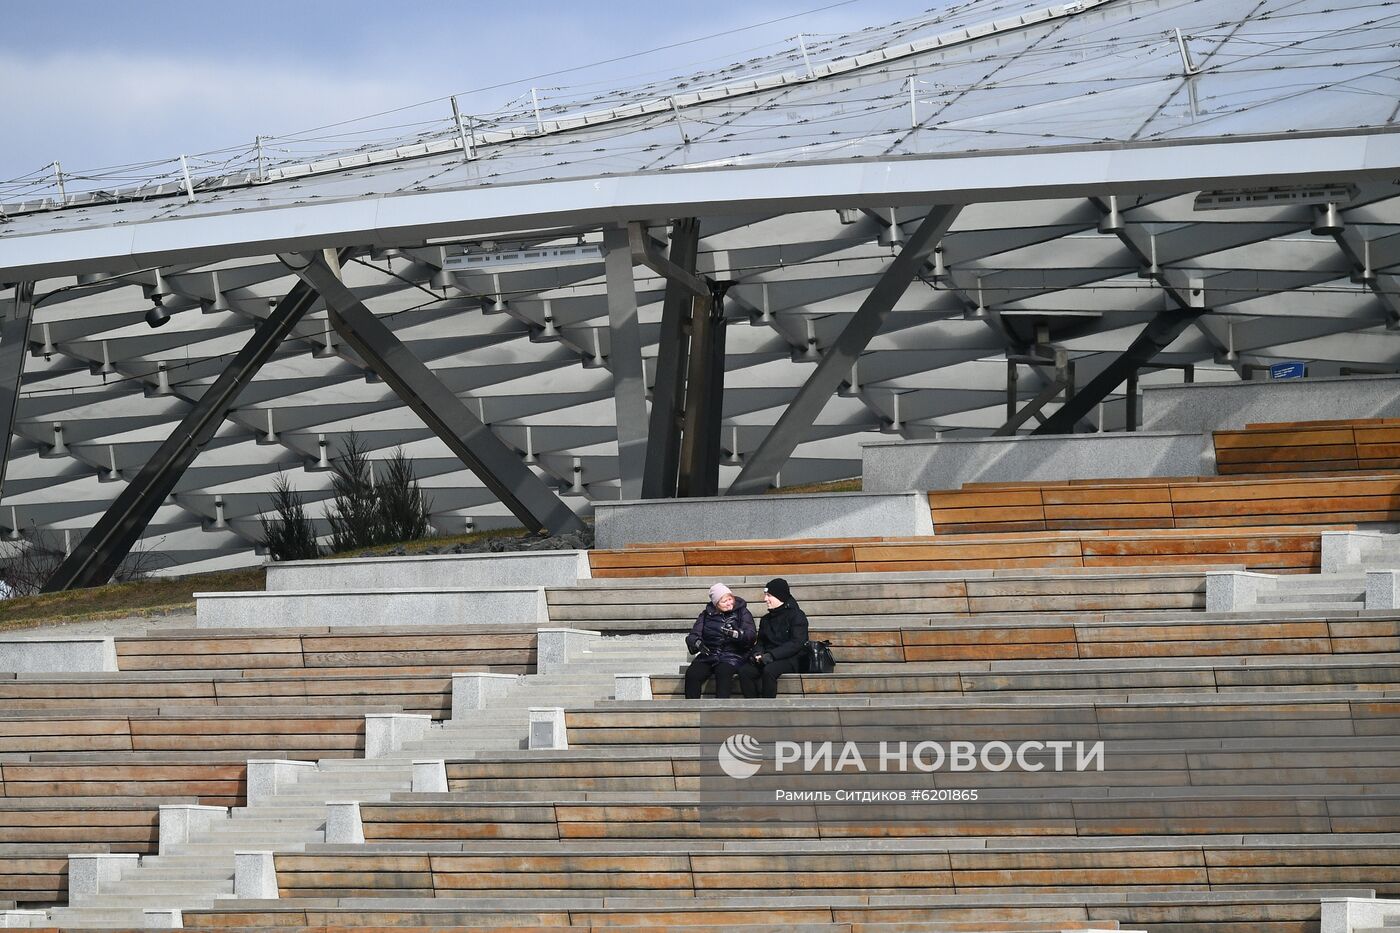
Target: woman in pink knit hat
<point>720,640</point>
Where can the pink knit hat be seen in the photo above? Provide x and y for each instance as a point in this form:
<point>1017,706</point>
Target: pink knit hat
<point>717,591</point>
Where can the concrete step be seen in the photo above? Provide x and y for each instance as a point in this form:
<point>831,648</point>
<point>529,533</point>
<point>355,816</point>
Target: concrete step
<point>1306,580</point>
<point>1319,607</point>
<point>281,817</point>
<point>226,849</point>
<point>171,886</point>
<point>329,777</point>
<point>237,838</point>
<point>127,915</point>
<point>366,765</point>
<point>113,909</point>
<point>1318,596</point>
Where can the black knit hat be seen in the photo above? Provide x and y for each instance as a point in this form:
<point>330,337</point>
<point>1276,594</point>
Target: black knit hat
<point>779,588</point>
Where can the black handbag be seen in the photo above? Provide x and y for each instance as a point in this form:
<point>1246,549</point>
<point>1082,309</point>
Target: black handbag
<point>817,658</point>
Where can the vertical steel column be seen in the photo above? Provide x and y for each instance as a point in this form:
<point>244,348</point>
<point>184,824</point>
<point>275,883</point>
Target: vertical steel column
<point>102,549</point>
<point>672,358</point>
<point>697,399</point>
<point>710,418</point>
<point>765,462</point>
<point>625,363</point>
<point>14,346</point>
<point>1132,400</point>
<point>495,464</point>
<point>1011,393</point>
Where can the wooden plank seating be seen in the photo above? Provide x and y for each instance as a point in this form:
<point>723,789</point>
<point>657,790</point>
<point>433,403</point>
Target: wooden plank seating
<point>1221,716</point>
<point>1354,769</point>
<point>220,782</point>
<point>350,921</point>
<point>673,605</point>
<point>1230,675</point>
<point>1363,444</point>
<point>1158,865</point>
<point>1265,548</point>
<point>121,824</point>
<point>419,693</point>
<point>351,651</point>
<point>655,817</point>
<point>307,734</point>
<point>1284,909</point>
<point>910,644</point>
<point>1203,502</point>
<point>37,875</point>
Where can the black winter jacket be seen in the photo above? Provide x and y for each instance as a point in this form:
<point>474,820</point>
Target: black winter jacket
<point>782,632</point>
<point>708,632</point>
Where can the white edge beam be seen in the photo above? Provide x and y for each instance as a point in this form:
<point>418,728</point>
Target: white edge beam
<point>404,219</point>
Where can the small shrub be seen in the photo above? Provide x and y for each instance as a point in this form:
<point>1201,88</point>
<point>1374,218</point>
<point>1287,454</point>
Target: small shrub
<point>404,510</point>
<point>357,520</point>
<point>289,536</point>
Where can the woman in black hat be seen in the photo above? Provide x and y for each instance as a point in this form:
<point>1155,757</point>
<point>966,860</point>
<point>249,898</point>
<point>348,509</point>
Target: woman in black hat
<point>782,634</point>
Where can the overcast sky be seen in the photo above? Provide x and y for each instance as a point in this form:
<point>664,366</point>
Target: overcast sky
<point>96,83</point>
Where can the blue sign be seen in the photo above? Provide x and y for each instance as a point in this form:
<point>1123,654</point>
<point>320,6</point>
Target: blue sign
<point>1293,369</point>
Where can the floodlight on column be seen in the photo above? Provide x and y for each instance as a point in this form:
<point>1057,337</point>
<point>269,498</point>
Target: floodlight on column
<point>157,316</point>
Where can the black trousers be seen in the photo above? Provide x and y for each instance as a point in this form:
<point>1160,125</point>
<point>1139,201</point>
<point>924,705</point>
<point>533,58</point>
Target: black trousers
<point>702,669</point>
<point>762,681</point>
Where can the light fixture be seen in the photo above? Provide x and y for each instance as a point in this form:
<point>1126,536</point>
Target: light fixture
<point>940,266</point>
<point>217,302</point>
<point>157,316</point>
<point>1365,275</point>
<point>891,236</point>
<point>732,456</point>
<point>1152,270</point>
<point>810,351</point>
<point>1328,220</point>
<point>1112,222</point>
<point>978,313</point>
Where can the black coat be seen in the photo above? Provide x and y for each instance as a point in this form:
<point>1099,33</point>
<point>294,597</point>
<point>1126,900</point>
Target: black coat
<point>782,632</point>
